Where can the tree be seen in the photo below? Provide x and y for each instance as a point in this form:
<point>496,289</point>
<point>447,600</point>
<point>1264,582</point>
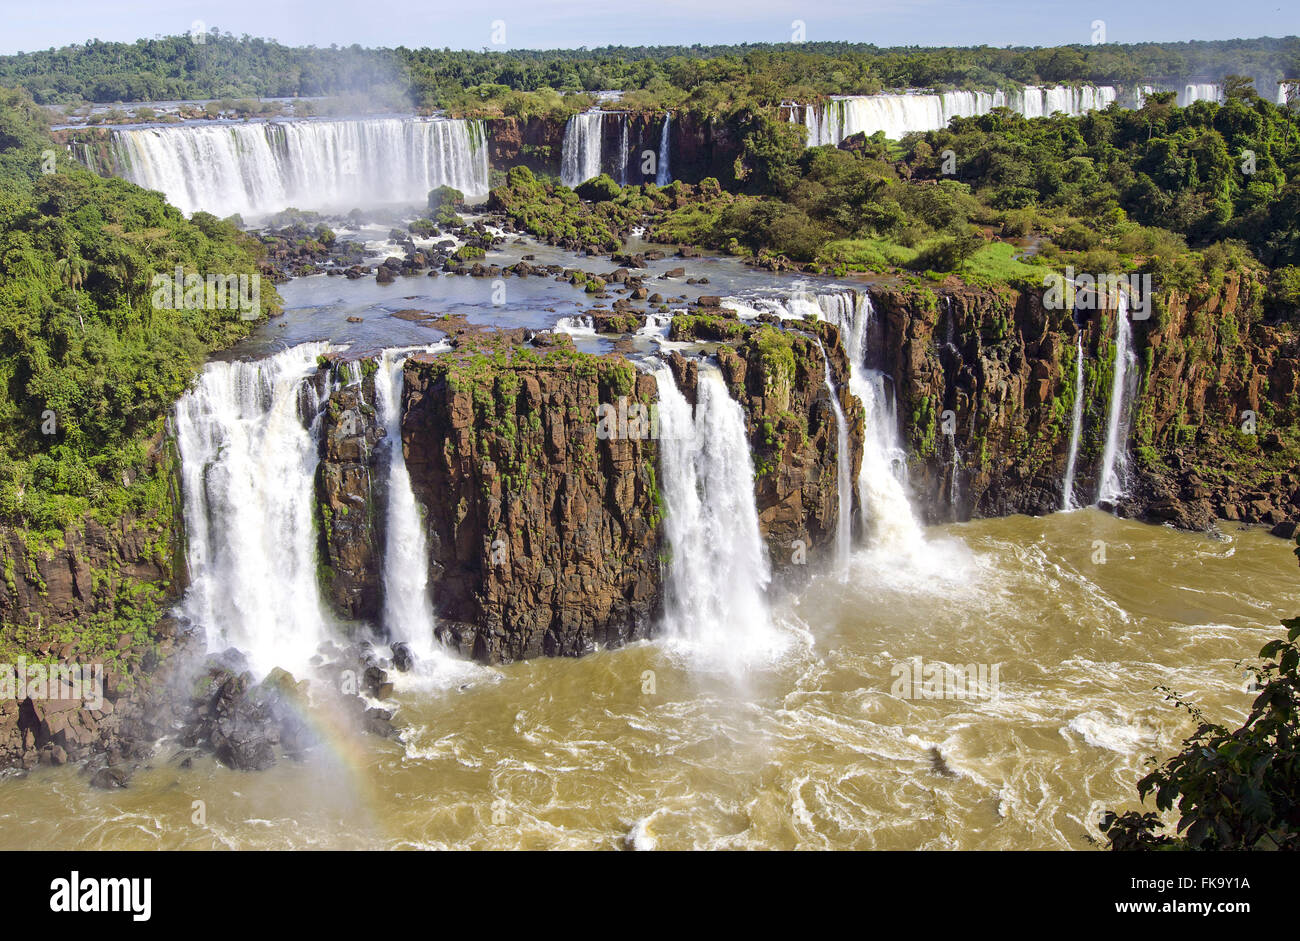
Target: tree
<point>1239,86</point>
<point>72,271</point>
<point>1236,790</point>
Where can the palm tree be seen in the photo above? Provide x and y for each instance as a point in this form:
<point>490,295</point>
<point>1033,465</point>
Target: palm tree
<point>72,271</point>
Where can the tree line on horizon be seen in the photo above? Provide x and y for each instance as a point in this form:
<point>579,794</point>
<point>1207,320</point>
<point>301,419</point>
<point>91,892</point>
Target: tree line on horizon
<point>225,66</point>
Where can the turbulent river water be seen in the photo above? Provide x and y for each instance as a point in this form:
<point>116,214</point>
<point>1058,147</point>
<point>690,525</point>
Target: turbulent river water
<point>806,741</point>
<point>640,747</point>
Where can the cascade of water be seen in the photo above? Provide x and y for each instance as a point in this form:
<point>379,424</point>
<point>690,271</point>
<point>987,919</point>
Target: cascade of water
<point>259,168</point>
<point>844,473</point>
<point>663,173</point>
<point>1199,91</point>
<point>247,436</point>
<point>1076,427</point>
<point>886,511</point>
<point>954,481</point>
<point>580,151</point>
<point>408,609</point>
<point>1114,461</point>
<point>623,151</point>
<point>718,572</point>
<point>899,114</point>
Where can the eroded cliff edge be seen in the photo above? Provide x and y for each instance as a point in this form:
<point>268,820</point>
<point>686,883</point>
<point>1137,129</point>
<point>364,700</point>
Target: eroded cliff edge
<point>1004,365</point>
<point>545,530</point>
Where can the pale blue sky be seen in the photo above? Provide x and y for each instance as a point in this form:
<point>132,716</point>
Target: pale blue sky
<point>534,24</point>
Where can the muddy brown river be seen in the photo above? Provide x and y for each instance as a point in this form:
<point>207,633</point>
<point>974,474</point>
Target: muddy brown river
<point>825,744</point>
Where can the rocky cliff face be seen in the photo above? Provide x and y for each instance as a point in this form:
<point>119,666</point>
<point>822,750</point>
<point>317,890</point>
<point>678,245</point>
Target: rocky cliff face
<point>545,523</point>
<point>699,146</point>
<point>535,143</point>
<point>544,535</point>
<point>94,594</point>
<point>1003,365</point>
<point>348,488</point>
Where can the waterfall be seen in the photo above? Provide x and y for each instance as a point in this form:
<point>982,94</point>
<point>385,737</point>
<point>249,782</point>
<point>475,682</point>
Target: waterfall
<point>663,174</point>
<point>622,151</point>
<point>408,605</point>
<point>898,114</point>
<point>844,520</point>
<point>718,571</point>
<point>259,168</point>
<point>1076,425</point>
<point>580,152</point>
<point>248,447</point>
<point>1114,461</point>
<point>1199,91</point>
<point>1038,101</point>
<point>885,510</point>
<point>408,610</point>
<point>954,480</point>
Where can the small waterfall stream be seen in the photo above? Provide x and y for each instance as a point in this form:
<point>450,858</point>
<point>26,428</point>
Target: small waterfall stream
<point>1112,480</point>
<point>580,151</point>
<point>408,609</point>
<point>663,173</point>
<point>623,151</point>
<point>718,571</point>
<point>844,483</point>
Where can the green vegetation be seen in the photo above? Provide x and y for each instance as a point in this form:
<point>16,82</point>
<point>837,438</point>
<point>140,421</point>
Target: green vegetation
<point>708,79</point>
<point>1208,173</point>
<point>88,365</point>
<point>558,215</point>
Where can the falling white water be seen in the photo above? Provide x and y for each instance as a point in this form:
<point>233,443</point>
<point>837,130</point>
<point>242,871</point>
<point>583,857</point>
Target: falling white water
<point>954,479</point>
<point>1114,461</point>
<point>830,122</point>
<point>622,151</point>
<point>408,610</point>
<point>580,151</point>
<point>844,473</point>
<point>248,447</point>
<point>715,606</point>
<point>663,174</point>
<point>1199,91</point>
<point>1037,101</point>
<point>578,325</point>
<point>260,168</point>
<point>886,511</point>
<point>1076,425</point>
<point>408,605</point>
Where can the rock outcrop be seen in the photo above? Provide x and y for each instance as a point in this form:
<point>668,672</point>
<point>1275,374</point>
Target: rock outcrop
<point>1003,365</point>
<point>538,473</point>
<point>348,479</point>
<point>544,534</point>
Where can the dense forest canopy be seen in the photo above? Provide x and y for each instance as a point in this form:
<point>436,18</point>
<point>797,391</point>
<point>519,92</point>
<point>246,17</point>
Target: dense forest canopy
<point>223,65</point>
<point>88,364</point>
